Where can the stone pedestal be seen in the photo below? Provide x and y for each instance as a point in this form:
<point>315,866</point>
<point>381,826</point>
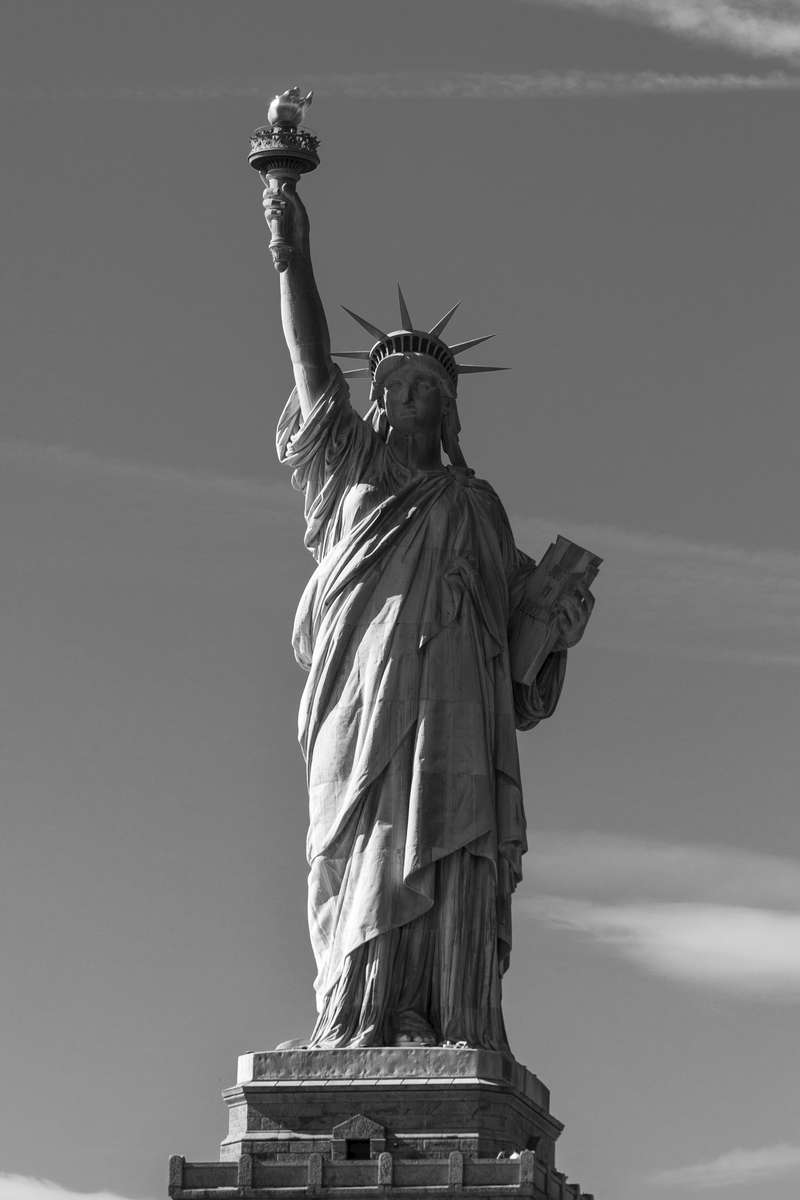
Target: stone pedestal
<point>416,1102</point>
<point>389,1122</point>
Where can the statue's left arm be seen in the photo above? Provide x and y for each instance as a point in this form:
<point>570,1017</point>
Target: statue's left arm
<point>538,699</point>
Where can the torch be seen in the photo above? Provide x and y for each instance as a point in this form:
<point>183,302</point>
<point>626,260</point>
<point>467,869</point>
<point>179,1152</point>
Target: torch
<point>281,152</point>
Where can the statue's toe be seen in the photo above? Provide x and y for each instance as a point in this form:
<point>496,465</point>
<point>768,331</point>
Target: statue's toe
<point>410,1028</point>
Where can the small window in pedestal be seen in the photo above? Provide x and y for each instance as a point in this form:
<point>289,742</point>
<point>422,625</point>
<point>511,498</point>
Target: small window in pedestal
<point>357,1148</point>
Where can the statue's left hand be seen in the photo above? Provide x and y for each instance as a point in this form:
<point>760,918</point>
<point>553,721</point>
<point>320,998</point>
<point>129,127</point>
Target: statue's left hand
<point>572,616</point>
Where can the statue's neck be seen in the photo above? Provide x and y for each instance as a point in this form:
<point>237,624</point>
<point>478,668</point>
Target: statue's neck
<point>417,451</point>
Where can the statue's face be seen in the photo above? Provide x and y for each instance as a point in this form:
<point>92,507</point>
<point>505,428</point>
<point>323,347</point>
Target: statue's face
<point>413,400</point>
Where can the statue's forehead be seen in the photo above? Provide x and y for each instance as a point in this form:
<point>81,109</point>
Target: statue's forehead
<point>411,370</point>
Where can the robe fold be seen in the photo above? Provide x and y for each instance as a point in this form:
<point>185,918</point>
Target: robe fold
<point>408,727</point>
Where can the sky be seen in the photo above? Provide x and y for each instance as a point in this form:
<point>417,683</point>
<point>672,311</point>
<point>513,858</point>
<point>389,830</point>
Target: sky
<point>612,187</point>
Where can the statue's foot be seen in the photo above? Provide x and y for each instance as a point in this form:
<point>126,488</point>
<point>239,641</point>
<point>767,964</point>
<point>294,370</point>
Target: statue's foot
<point>408,1028</point>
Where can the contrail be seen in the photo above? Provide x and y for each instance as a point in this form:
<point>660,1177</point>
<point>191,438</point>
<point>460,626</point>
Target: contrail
<point>552,85</point>
<point>487,85</point>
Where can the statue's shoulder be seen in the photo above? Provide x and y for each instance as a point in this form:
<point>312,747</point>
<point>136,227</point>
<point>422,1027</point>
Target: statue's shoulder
<point>481,487</point>
<point>483,495</point>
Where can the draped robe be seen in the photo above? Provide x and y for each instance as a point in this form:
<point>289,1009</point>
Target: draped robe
<point>408,727</point>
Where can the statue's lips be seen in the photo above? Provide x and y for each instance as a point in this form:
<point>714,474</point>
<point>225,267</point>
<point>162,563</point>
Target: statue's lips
<point>408,416</point>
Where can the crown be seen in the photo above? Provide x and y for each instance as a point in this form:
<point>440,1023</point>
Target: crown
<point>390,348</point>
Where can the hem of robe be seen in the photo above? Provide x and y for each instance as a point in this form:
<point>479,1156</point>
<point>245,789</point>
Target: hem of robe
<point>370,932</point>
<point>422,972</point>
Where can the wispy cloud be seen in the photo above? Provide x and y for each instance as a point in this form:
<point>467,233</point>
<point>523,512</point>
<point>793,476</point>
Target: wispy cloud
<point>464,85</point>
<point>608,867</point>
<point>657,594</point>
<point>24,1187</point>
<point>736,1167</point>
<point>662,594</point>
<point>744,950</point>
<point>69,459</point>
<point>768,28</point>
<point>713,916</point>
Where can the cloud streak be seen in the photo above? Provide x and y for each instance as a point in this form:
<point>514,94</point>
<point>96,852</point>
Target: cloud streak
<point>487,85</point>
<point>657,594</point>
<point>742,950</point>
<point>67,459</point>
<point>711,916</point>
<point>550,85</point>
<point>663,594</point>
<point>24,1187</point>
<point>737,1167</point>
<point>765,28</point>
<point>608,867</point>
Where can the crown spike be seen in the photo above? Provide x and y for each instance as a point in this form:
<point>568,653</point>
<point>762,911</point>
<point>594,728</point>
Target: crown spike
<point>405,315</point>
<point>473,342</point>
<point>440,324</point>
<point>373,329</point>
<point>358,373</point>
<point>351,354</point>
<point>469,369</point>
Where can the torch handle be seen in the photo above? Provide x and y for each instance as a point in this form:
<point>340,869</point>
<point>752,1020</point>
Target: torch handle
<point>280,247</point>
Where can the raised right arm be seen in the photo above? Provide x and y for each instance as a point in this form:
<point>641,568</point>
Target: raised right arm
<point>303,317</point>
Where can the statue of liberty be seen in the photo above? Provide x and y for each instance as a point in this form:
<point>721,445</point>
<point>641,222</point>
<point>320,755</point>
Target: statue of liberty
<point>409,714</point>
